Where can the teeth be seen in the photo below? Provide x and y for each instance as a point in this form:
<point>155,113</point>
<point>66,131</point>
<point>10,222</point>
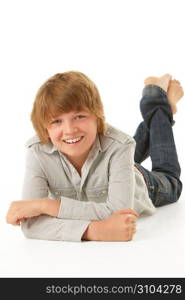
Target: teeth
<point>73,141</point>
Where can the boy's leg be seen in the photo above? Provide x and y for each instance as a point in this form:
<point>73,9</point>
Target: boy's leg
<point>141,137</point>
<point>163,181</point>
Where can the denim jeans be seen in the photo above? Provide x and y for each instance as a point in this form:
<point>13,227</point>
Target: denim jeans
<point>154,138</point>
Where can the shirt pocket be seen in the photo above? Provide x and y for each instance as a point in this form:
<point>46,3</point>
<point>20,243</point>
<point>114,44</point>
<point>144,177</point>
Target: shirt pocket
<point>97,194</point>
<point>57,193</point>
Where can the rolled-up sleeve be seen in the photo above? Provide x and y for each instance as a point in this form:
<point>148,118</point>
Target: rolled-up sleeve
<point>120,192</point>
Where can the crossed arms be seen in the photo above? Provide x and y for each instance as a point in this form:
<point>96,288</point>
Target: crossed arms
<point>73,220</point>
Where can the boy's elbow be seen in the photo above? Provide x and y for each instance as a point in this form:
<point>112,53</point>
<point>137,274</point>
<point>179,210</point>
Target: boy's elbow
<point>26,229</point>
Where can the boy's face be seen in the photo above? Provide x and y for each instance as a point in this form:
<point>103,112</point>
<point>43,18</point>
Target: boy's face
<point>73,134</point>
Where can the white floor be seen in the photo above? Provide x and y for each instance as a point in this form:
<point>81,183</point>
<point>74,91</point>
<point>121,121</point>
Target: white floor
<point>158,250</point>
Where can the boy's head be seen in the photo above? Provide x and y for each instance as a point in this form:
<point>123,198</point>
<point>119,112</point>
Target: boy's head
<point>65,93</point>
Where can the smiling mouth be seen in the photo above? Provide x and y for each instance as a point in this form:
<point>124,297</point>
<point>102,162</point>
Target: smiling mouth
<point>73,141</point>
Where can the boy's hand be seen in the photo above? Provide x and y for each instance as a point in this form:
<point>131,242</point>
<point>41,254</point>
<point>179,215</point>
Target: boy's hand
<point>23,209</point>
<point>121,226</point>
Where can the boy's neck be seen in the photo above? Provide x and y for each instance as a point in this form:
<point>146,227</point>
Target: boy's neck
<point>78,162</point>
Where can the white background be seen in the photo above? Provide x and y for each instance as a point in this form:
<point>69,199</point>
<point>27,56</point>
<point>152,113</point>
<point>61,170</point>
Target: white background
<point>117,44</point>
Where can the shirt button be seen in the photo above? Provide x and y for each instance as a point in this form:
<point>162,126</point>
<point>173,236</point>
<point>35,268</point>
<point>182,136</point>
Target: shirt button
<point>103,192</point>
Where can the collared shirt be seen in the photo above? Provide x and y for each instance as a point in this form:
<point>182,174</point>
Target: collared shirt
<point>109,182</point>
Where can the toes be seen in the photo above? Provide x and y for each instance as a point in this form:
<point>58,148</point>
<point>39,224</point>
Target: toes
<point>173,81</point>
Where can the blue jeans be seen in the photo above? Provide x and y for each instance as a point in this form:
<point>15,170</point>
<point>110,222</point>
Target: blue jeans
<point>154,138</point>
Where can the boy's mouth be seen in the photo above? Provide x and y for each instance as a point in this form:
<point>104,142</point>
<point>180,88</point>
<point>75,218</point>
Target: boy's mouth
<point>73,141</point>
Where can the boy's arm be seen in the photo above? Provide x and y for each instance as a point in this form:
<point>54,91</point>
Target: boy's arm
<point>31,214</point>
<point>49,228</point>
<point>35,216</point>
<point>119,227</point>
<point>35,223</point>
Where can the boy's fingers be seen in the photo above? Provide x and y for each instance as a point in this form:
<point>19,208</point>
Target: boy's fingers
<point>129,211</point>
<point>134,230</point>
<point>131,219</point>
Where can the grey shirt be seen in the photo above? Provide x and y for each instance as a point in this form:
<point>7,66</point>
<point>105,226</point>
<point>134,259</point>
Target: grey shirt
<point>109,182</point>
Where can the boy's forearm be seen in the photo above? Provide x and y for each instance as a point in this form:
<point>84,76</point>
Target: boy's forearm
<point>50,207</point>
<point>93,231</point>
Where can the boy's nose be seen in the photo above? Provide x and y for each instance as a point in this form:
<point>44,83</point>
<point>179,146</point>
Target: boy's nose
<point>69,128</point>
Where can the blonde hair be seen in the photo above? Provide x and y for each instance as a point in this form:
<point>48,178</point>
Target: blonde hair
<point>62,93</point>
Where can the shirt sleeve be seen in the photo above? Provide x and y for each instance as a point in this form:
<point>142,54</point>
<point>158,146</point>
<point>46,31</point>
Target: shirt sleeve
<point>49,228</point>
<point>45,227</point>
<point>35,184</point>
<point>120,192</point>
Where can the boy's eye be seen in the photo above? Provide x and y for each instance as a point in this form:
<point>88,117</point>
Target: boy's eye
<point>80,117</point>
<point>55,121</point>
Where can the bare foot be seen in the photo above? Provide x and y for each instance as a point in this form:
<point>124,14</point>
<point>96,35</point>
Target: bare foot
<point>162,81</point>
<point>175,93</point>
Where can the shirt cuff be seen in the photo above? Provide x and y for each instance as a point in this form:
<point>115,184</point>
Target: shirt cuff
<point>74,230</point>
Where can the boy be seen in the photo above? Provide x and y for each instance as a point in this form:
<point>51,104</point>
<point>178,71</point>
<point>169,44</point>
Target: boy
<point>84,179</point>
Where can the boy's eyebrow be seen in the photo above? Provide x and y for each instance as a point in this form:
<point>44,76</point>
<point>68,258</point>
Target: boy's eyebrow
<point>81,111</point>
<point>74,112</point>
